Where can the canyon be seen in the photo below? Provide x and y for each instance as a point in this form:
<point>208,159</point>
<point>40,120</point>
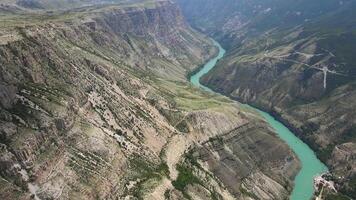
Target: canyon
<point>293,59</point>
<point>95,104</point>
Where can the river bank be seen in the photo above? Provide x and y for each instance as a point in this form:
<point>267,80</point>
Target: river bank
<point>311,165</point>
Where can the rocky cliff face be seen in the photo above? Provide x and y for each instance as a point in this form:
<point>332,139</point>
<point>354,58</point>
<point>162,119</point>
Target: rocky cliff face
<point>94,105</point>
<point>227,146</point>
<point>248,171</point>
<point>293,59</point>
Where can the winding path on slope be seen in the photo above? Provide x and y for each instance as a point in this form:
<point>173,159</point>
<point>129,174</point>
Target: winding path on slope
<point>311,165</point>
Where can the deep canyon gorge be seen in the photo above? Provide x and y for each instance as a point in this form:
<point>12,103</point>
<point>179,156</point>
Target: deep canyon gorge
<point>96,101</point>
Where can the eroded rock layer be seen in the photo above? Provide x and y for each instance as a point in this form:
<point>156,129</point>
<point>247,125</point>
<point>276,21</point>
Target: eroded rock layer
<point>95,105</point>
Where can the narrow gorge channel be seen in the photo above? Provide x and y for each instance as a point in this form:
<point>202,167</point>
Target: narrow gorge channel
<point>311,165</point>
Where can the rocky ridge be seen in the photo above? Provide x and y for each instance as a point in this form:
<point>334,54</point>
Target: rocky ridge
<point>294,60</point>
<point>94,105</point>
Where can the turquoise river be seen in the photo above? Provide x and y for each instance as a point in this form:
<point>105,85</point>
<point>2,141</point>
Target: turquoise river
<point>311,165</point>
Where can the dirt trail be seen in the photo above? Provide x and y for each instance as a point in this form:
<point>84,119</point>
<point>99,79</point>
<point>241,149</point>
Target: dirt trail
<point>175,150</point>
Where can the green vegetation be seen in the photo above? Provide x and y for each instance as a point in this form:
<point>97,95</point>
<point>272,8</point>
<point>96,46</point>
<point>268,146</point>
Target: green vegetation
<point>324,154</point>
<point>215,195</point>
<point>218,139</point>
<point>349,135</point>
<point>10,189</point>
<point>60,11</point>
<point>166,194</point>
<point>336,197</point>
<point>183,127</point>
<point>350,190</point>
<point>192,159</point>
<point>191,98</point>
<point>147,173</point>
<point>185,177</point>
<point>147,169</point>
<point>247,193</point>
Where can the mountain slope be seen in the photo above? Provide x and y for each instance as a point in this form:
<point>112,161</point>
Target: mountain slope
<point>38,5</point>
<point>94,105</point>
<point>277,55</point>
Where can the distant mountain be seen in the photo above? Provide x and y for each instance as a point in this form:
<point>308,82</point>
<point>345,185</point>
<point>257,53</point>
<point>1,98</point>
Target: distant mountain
<point>295,59</point>
<point>245,17</point>
<point>63,4</point>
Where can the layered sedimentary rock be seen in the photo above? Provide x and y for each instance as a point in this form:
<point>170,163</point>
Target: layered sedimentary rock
<point>95,105</point>
<point>293,59</point>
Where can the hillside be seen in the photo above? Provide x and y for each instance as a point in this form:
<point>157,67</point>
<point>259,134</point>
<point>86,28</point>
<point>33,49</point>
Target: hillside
<point>294,59</point>
<point>95,105</point>
<point>38,5</point>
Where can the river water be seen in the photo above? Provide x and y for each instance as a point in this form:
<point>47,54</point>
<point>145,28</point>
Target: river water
<point>311,165</point>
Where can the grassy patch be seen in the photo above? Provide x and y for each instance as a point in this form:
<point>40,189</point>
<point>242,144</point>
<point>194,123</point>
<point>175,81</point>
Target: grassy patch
<point>166,194</point>
<point>183,127</point>
<point>148,170</point>
<point>217,139</point>
<point>350,189</point>
<point>349,135</point>
<point>185,177</point>
<point>215,195</point>
<point>324,154</point>
<point>148,173</point>
<point>57,11</point>
<point>247,193</point>
<point>190,98</point>
<point>336,197</point>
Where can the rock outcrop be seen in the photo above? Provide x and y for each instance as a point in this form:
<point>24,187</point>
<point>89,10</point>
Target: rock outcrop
<point>95,105</point>
<point>292,59</point>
